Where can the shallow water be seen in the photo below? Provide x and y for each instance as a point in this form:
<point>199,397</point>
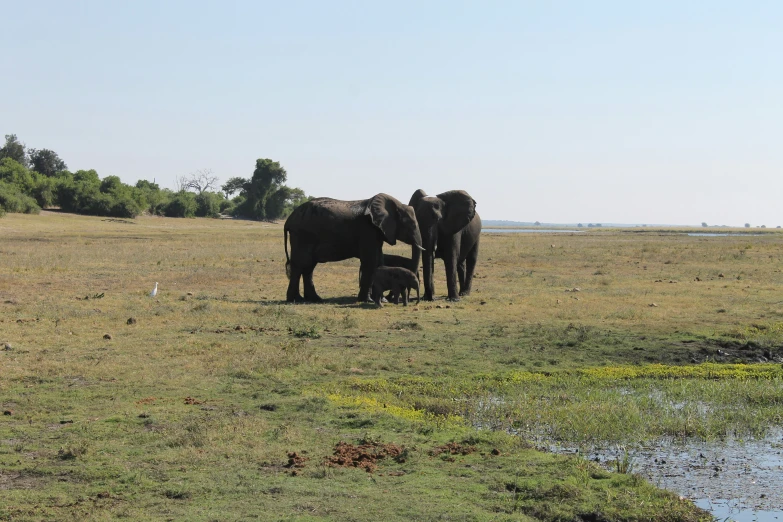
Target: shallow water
<point>731,511</point>
<point>735,480</point>
<point>529,230</point>
<point>718,234</point>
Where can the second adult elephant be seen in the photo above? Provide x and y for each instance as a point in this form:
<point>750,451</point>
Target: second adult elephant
<point>450,230</point>
<point>326,229</point>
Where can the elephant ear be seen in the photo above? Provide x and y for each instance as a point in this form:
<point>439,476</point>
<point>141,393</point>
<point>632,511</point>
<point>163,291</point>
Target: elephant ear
<point>460,209</point>
<point>382,209</point>
<point>416,197</point>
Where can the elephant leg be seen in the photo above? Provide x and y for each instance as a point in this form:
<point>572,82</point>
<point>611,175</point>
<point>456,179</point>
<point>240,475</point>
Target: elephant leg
<point>461,275</point>
<point>364,286</point>
<point>376,295</point>
<point>371,257</point>
<point>309,287</point>
<point>404,296</point>
<point>470,269</point>
<point>451,277</point>
<point>293,295</point>
<point>428,267</point>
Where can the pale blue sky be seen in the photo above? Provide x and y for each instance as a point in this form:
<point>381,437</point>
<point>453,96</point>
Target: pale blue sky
<point>604,111</point>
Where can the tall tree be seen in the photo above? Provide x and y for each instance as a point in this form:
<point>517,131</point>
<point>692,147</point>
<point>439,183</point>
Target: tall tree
<point>267,178</point>
<point>46,162</point>
<point>265,196</point>
<point>200,181</point>
<point>234,185</point>
<point>14,149</point>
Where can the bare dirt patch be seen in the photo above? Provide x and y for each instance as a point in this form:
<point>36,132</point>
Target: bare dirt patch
<point>12,480</point>
<point>364,456</point>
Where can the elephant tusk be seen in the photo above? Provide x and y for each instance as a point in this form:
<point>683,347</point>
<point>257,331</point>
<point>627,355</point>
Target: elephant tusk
<point>420,248</point>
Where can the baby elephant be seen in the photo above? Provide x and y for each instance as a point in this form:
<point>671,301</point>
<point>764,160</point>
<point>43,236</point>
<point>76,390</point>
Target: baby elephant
<point>405,262</point>
<point>397,279</point>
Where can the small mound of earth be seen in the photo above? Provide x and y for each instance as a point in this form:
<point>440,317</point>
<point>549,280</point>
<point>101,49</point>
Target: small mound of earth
<point>364,456</point>
<point>295,460</point>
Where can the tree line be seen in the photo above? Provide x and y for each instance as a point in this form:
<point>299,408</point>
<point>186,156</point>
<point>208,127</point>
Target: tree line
<point>32,179</point>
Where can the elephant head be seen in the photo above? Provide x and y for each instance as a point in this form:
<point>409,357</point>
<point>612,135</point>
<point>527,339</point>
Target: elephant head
<point>440,219</point>
<point>396,221</point>
<point>444,214</point>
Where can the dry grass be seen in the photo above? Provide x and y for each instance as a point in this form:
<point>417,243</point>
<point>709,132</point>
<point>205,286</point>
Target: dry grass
<point>192,408</point>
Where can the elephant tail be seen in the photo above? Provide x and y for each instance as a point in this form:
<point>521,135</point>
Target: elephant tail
<point>287,259</point>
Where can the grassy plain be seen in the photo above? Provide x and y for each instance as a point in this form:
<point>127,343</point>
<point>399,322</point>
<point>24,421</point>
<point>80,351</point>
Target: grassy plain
<point>217,401</point>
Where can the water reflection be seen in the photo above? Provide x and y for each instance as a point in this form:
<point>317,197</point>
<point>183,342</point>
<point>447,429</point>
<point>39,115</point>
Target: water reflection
<point>530,230</point>
<point>719,234</point>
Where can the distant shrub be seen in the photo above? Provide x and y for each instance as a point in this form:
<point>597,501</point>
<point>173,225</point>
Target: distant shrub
<point>150,197</point>
<point>97,205</point>
<point>84,193</point>
<point>208,204</point>
<point>183,204</point>
<point>13,200</point>
<point>227,206</point>
<point>29,182</point>
<point>45,191</point>
<point>125,207</point>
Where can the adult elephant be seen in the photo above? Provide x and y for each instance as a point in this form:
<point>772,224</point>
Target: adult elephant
<point>325,229</point>
<point>450,229</point>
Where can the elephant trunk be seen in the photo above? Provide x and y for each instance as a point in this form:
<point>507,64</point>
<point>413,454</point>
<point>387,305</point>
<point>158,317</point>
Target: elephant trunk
<point>431,244</point>
<point>415,260</point>
<point>413,238</point>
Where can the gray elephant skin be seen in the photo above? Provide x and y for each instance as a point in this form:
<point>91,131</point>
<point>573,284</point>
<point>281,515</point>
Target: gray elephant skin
<point>450,230</point>
<point>404,262</point>
<point>398,280</point>
<point>325,229</point>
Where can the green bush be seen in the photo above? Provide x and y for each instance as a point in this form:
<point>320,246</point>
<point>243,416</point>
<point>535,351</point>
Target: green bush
<point>150,197</point>
<point>97,205</point>
<point>208,204</point>
<point>227,206</point>
<point>45,191</point>
<point>125,207</point>
<point>84,193</point>
<point>13,200</point>
<point>183,204</point>
<point>29,182</point>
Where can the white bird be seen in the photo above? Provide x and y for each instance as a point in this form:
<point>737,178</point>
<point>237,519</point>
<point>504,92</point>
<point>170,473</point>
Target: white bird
<point>154,290</point>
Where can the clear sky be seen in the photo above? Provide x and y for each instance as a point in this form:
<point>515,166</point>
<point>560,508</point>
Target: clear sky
<point>558,111</point>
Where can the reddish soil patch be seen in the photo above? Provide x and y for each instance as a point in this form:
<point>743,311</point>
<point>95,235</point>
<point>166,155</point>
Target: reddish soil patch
<point>452,448</point>
<point>295,461</point>
<point>191,400</point>
<point>364,456</point>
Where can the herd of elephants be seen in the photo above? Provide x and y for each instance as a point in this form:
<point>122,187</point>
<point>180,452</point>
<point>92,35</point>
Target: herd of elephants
<point>445,226</point>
